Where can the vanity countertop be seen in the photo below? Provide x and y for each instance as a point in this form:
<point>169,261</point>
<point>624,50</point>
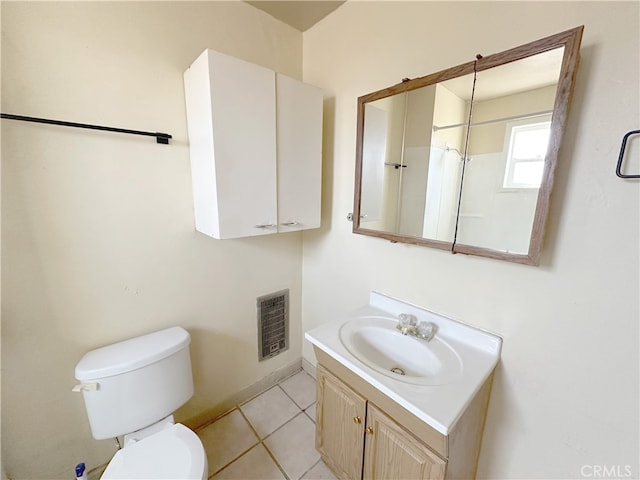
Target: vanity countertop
<point>440,405</point>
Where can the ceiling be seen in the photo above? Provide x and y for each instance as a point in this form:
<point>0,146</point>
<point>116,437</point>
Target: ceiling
<point>300,14</point>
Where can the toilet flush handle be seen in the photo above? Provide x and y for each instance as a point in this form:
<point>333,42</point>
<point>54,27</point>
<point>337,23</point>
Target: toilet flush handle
<point>86,387</point>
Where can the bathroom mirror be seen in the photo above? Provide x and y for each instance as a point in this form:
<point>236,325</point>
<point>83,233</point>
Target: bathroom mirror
<point>463,159</point>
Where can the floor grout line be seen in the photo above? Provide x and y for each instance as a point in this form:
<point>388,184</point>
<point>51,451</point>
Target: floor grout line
<point>261,441</point>
<point>309,416</point>
<point>275,460</point>
<point>219,417</point>
<point>279,384</point>
<point>311,467</point>
<point>246,451</point>
<point>237,458</point>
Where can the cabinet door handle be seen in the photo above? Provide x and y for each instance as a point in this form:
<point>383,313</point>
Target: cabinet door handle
<point>370,430</point>
<point>357,419</point>
<point>265,225</point>
<point>291,223</point>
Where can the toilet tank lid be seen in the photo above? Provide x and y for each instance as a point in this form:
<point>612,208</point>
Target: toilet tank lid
<point>131,354</point>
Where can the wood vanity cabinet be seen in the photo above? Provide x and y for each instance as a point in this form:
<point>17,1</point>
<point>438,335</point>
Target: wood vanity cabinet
<point>340,425</point>
<point>357,440</point>
<point>392,452</point>
<point>255,143</point>
<point>363,434</point>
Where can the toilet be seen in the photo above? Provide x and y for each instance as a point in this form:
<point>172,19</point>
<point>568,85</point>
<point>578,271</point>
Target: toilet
<point>131,389</point>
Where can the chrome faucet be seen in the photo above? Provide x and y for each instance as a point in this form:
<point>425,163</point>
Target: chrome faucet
<point>408,325</point>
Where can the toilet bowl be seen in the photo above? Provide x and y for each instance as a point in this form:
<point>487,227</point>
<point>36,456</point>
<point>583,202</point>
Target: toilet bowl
<point>131,389</point>
<point>172,453</point>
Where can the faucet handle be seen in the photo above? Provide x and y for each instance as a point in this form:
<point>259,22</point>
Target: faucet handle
<point>426,330</point>
<point>407,319</point>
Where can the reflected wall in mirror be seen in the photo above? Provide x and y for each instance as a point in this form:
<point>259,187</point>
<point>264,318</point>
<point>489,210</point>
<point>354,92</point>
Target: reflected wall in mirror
<point>508,140</point>
<point>464,159</point>
<point>410,173</point>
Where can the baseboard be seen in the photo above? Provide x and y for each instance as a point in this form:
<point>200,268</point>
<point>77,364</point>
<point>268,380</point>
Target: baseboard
<point>231,402</point>
<point>309,367</point>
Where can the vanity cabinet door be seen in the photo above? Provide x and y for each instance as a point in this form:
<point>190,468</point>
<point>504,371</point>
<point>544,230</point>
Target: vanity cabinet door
<point>392,453</point>
<point>340,422</point>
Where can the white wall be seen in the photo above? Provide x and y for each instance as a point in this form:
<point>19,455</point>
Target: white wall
<point>566,393</point>
<point>98,241</point>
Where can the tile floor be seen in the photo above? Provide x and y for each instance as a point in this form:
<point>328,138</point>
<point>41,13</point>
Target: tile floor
<point>272,436</point>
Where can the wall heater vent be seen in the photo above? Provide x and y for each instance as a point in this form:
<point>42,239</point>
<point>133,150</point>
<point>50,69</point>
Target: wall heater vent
<point>273,324</point>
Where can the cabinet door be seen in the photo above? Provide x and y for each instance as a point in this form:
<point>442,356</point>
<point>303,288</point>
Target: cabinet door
<point>340,416</point>
<point>299,147</point>
<point>232,135</point>
<point>392,453</point>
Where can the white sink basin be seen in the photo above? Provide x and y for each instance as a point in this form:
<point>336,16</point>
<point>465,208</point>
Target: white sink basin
<point>377,343</point>
<point>440,377</point>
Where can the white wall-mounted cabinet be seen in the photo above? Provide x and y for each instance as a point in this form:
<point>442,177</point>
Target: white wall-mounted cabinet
<point>255,141</point>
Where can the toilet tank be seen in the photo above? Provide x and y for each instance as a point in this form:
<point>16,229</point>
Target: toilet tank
<point>132,384</point>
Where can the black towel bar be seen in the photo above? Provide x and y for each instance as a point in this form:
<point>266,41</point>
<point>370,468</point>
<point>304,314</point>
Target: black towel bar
<point>162,138</point>
<point>621,156</point>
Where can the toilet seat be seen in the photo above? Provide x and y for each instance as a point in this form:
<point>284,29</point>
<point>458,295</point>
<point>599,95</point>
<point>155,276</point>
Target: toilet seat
<point>174,453</point>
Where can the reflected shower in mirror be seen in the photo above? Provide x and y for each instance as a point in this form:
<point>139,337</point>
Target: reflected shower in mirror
<point>411,172</point>
<point>508,139</point>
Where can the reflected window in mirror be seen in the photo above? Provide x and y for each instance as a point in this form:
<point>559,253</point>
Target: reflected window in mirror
<point>526,153</point>
<point>507,143</point>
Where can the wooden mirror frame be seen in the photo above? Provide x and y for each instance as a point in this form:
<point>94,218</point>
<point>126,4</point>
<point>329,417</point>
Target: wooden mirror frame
<point>570,40</point>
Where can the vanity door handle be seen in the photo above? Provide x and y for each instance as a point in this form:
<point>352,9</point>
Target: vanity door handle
<point>370,430</point>
<point>357,419</point>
